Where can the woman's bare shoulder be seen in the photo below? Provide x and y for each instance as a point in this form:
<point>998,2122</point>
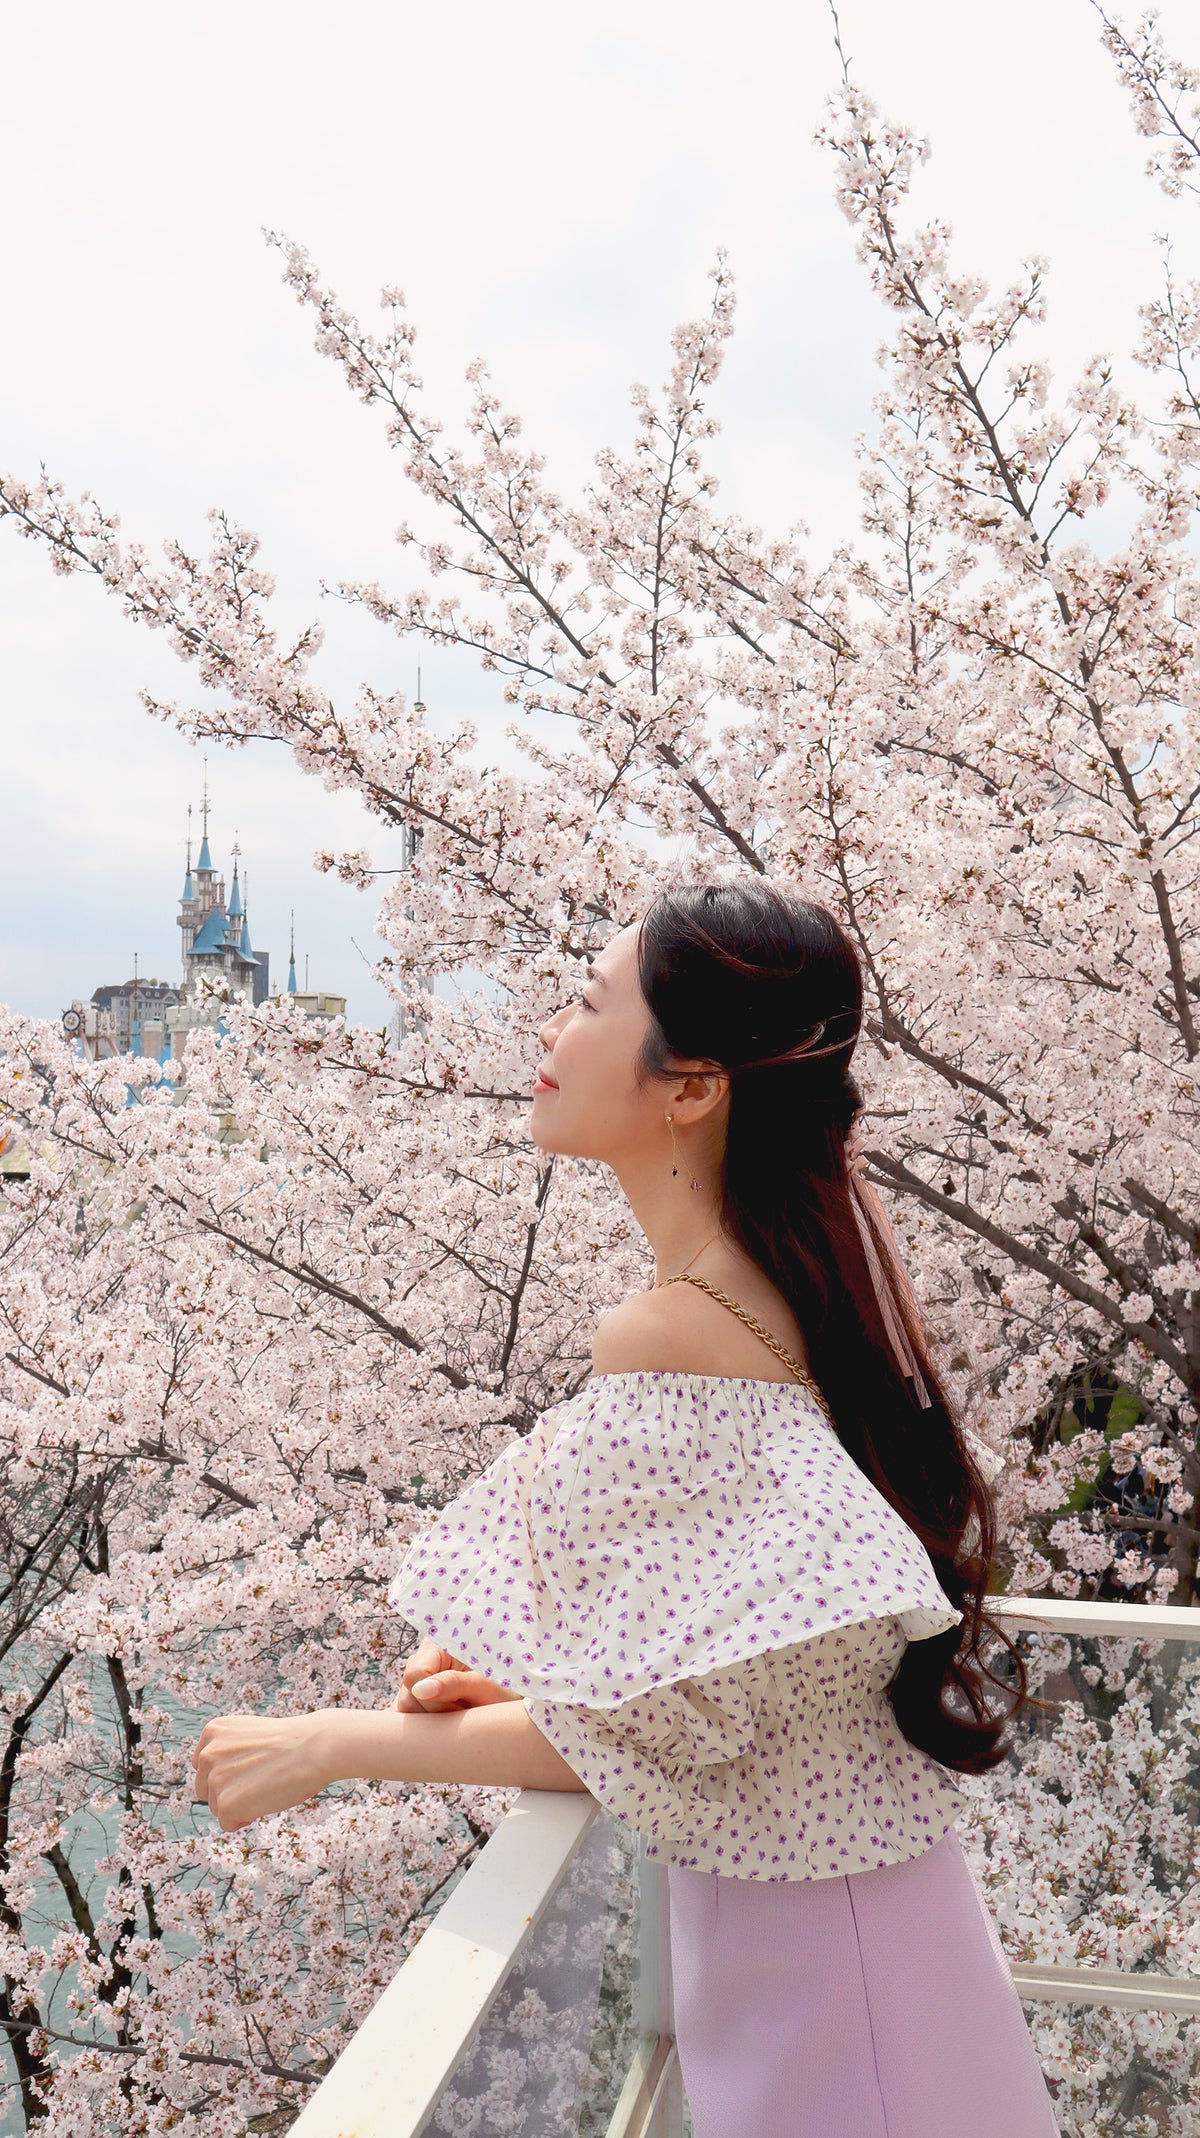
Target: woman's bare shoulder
<point>667,1330</point>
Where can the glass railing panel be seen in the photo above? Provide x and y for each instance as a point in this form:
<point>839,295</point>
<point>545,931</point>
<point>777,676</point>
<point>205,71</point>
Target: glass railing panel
<point>551,2056</point>
<point>1126,2074</point>
<point>1086,1845</point>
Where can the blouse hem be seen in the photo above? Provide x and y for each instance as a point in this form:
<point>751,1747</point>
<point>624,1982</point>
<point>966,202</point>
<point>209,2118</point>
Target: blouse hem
<point>661,1853</point>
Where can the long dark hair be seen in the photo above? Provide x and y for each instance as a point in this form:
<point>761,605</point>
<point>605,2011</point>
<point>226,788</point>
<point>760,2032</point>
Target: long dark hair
<point>736,971</point>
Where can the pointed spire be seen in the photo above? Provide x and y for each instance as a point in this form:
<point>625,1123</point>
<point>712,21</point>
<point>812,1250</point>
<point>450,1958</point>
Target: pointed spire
<point>188,890</point>
<point>235,908</point>
<point>205,861</point>
<point>291,981</point>
<point>246,950</point>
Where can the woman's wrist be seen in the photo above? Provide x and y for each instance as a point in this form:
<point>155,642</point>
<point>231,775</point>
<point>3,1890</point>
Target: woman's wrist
<point>343,1744</point>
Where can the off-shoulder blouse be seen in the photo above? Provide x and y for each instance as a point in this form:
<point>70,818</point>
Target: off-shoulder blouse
<point>702,1600</point>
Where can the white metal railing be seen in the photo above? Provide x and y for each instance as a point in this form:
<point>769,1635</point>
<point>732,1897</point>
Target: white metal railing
<point>389,2079</point>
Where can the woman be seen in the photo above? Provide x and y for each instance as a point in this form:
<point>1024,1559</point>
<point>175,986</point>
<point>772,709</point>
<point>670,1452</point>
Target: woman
<point>729,1585</point>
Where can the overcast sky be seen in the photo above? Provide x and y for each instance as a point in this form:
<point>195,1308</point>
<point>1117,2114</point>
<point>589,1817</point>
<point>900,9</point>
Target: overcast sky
<point>550,194</point>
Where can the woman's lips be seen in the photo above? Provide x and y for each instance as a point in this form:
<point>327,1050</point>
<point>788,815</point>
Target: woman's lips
<point>544,1083</point>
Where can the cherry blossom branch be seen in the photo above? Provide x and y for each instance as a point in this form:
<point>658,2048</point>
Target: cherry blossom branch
<point>893,1172</point>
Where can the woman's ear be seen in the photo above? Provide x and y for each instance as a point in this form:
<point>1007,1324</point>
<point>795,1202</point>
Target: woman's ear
<point>701,1092</point>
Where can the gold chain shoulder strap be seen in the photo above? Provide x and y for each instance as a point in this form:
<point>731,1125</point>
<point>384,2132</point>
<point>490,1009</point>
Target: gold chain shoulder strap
<point>806,1380</point>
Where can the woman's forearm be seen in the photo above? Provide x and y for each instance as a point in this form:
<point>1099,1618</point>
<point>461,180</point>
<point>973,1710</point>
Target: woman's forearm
<point>496,1744</point>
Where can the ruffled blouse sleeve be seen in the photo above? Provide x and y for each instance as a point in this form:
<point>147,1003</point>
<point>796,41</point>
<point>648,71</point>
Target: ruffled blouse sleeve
<point>663,1760</point>
<point>700,1597</point>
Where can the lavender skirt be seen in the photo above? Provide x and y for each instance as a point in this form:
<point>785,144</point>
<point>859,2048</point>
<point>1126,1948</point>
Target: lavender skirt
<point>875,2005</point>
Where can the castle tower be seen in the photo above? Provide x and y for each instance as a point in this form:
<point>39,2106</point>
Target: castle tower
<point>203,889</point>
<point>189,905</point>
<point>210,888</point>
<point>215,937</point>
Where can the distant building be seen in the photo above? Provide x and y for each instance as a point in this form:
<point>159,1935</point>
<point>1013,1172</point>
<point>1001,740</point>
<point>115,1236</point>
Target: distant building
<point>125,1019</point>
<point>153,1017</point>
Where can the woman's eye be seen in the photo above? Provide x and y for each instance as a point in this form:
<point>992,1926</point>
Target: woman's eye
<point>585,1004</point>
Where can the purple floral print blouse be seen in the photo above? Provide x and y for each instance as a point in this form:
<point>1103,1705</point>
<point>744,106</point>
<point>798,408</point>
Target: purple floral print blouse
<point>701,1599</point>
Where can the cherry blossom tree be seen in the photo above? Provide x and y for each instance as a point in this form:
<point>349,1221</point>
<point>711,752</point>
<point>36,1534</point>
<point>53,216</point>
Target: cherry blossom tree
<point>240,1369</point>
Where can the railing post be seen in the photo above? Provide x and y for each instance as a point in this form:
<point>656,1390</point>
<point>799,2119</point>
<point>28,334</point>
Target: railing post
<point>656,2012</point>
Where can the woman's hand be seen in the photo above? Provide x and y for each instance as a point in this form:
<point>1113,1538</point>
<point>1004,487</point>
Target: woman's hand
<point>435,1683</point>
<point>250,1765</point>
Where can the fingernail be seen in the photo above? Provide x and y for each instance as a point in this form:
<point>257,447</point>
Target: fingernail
<point>424,1688</point>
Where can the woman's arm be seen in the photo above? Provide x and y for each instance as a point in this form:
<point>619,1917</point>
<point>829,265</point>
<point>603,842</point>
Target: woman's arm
<point>248,1766</point>
<point>497,1745</point>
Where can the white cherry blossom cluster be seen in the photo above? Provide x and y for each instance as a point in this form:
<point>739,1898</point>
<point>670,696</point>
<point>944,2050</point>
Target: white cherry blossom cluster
<point>263,1321</point>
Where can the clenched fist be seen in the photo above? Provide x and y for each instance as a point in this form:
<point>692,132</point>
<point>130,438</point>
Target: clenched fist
<point>436,1683</point>
<point>248,1766</point>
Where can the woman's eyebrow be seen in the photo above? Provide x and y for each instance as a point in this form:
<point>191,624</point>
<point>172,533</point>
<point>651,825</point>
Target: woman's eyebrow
<point>594,973</point>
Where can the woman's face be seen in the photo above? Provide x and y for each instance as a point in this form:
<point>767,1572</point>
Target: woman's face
<point>594,1109</point>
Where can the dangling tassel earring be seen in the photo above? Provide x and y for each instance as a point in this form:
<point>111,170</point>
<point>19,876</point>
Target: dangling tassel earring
<point>675,1169</point>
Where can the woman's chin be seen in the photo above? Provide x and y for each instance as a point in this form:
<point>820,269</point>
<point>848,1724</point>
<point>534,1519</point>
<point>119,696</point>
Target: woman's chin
<point>545,1136</point>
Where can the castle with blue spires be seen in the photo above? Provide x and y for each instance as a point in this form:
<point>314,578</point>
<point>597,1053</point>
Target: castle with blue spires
<point>153,1017</point>
<point>216,936</point>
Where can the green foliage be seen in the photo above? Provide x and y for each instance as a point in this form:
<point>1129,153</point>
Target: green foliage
<point>1115,1411</point>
